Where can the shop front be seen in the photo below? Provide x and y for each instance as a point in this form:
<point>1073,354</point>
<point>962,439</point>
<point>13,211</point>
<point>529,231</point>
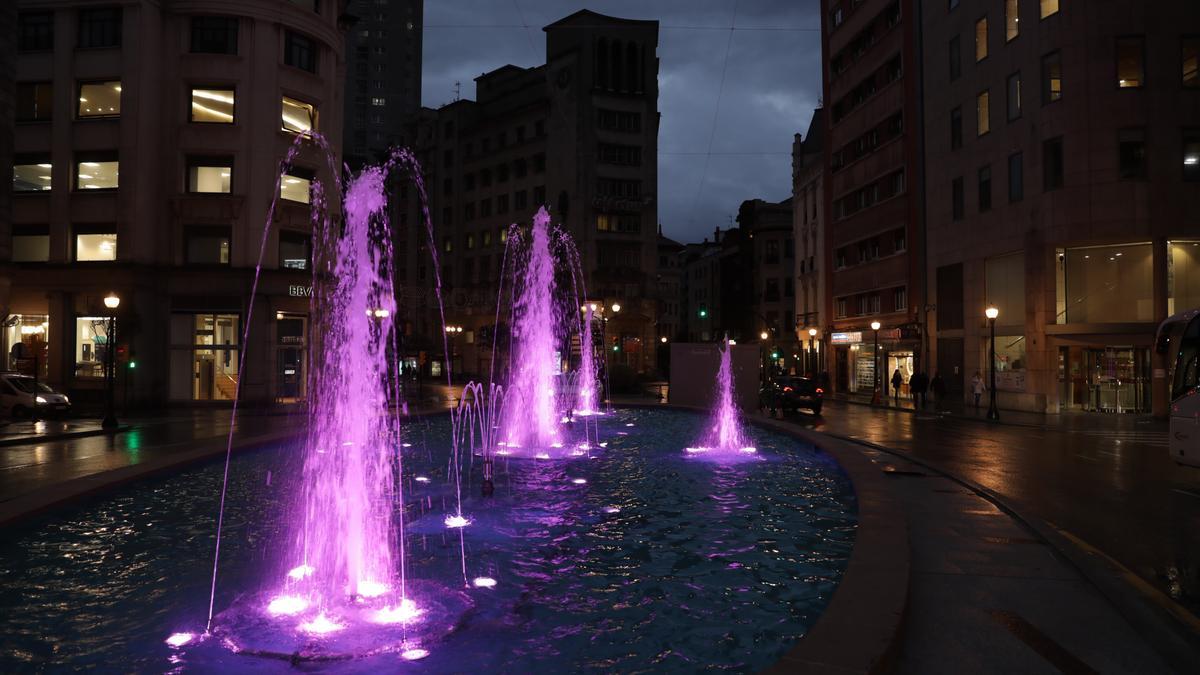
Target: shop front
<point>1110,378</point>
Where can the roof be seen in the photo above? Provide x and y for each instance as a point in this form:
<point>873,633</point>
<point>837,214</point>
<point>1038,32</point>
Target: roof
<point>814,138</point>
<point>586,18</point>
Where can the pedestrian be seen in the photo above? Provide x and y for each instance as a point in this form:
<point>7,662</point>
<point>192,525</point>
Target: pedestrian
<point>977,387</point>
<point>938,387</point>
<point>918,385</point>
<point>897,380</point>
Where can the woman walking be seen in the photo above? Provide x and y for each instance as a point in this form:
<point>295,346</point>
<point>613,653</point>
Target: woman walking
<point>977,387</point>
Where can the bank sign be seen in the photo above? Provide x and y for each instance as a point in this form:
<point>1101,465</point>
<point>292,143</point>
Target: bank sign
<point>846,338</point>
<point>300,291</point>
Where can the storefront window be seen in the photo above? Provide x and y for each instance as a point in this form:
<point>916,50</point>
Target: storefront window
<point>32,330</point>
<point>1106,284</point>
<point>1183,276</point>
<point>91,346</point>
<point>204,356</point>
<point>1010,362</point>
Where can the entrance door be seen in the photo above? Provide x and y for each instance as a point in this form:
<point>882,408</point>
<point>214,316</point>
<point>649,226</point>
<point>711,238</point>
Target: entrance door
<point>950,365</point>
<point>290,373</point>
<point>842,357</point>
<point>1105,379</point>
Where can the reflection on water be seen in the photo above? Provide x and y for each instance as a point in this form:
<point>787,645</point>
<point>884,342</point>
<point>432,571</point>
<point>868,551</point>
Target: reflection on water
<point>654,561</point>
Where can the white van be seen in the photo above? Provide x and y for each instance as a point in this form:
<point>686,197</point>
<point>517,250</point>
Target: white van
<point>17,397</point>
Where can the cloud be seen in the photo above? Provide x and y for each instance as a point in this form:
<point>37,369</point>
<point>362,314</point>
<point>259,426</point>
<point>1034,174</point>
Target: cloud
<point>772,83</point>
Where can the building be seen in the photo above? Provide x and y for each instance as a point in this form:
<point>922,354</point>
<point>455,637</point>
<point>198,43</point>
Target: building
<point>147,151</point>
<point>1082,229</point>
<point>670,287</point>
<point>808,224</point>
<point>771,254</point>
<point>579,135</point>
<point>700,291</point>
<point>383,76</point>
<point>872,190</point>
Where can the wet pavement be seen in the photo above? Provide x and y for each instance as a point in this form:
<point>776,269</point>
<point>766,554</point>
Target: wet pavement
<point>1107,482</point>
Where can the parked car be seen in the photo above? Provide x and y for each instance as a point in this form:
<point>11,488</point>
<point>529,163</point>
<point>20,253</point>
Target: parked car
<point>791,393</point>
<point>18,396</point>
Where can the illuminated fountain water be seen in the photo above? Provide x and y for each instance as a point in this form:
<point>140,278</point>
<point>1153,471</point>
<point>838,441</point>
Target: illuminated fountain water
<point>725,435</point>
<point>586,385</point>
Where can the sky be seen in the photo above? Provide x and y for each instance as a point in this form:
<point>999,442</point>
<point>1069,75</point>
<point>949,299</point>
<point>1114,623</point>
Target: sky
<point>765,75</point>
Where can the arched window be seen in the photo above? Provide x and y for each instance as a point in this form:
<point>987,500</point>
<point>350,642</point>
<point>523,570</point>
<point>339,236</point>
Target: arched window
<point>631,66</point>
<point>602,63</point>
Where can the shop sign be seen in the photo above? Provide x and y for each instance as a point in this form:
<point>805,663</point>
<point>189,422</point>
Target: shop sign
<point>889,334</point>
<point>846,338</point>
<point>297,291</point>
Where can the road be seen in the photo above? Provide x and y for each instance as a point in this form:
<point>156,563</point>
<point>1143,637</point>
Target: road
<point>1111,484</point>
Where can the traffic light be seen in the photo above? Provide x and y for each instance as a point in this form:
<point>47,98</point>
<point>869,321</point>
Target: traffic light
<point>703,311</point>
<point>775,354</point>
<point>132,365</point>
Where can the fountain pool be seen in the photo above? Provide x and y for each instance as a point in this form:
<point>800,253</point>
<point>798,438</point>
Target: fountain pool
<point>639,557</point>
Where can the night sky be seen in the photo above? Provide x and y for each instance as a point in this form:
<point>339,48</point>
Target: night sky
<point>772,82</point>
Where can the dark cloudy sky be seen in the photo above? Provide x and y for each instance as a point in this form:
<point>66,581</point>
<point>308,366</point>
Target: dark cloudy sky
<point>772,83</point>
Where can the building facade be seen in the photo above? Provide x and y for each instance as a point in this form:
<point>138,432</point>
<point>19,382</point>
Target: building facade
<point>148,145</point>
<point>577,135</point>
<point>1082,229</point>
<point>808,225</point>
<point>383,76</point>
<point>872,190</point>
<point>771,253</point>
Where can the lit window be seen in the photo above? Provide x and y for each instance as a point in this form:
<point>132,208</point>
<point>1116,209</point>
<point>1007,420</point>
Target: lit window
<point>96,247</point>
<point>33,176</point>
<point>1049,7</point>
<point>981,37</point>
<point>209,174</point>
<point>91,346</point>
<point>1052,89</point>
<point>1131,73</point>
<point>1191,154</point>
<point>294,250</point>
<point>212,105</point>
<point>298,117</point>
<point>1191,62</point>
<point>100,99</point>
<point>1012,20</point>
<point>982,115</point>
<point>296,186</point>
<point>378,101</point>
<point>100,173</point>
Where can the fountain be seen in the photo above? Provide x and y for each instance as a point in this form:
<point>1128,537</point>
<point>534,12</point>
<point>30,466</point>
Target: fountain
<point>586,386</point>
<point>725,435</point>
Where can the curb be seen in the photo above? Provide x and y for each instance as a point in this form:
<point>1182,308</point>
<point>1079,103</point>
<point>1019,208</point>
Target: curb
<point>945,415</point>
<point>1167,627</point>
<point>50,438</point>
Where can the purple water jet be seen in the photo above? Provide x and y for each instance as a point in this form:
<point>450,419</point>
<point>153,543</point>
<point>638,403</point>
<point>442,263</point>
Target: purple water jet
<point>586,396</point>
<point>726,434</point>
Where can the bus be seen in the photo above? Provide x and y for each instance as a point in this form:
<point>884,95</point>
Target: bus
<point>1179,341</point>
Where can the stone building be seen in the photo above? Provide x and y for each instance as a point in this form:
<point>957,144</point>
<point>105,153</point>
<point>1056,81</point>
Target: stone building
<point>808,224</point>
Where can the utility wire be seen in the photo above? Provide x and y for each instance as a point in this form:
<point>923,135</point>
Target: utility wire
<point>716,114</point>
<point>786,29</point>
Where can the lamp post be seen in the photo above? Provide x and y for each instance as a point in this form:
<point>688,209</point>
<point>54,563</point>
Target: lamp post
<point>812,349</point>
<point>993,412</point>
<point>875,362</point>
<point>762,349</point>
<point>111,301</point>
<point>451,331</point>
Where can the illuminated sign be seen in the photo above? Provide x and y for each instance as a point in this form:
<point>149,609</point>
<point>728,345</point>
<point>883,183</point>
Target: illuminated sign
<point>846,338</point>
<point>300,291</point>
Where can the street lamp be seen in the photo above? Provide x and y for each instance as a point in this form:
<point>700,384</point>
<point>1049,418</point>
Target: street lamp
<point>111,301</point>
<point>663,339</point>
<point>875,361</point>
<point>812,349</point>
<point>763,335</point>
<point>993,412</point>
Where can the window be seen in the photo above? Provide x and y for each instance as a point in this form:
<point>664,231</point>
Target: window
<point>214,35</point>
<point>955,58</point>
<point>486,236</point>
<point>91,346</point>
<point>839,308</point>
<point>1191,154</point>
<point>204,356</point>
<point>447,245</point>
<point>100,27</point>
<point>539,128</point>
<point>485,207</point>
<point>539,195</point>
<point>212,106</point>
<point>539,162</point>
<point>1131,72</point>
<point>448,157</point>
<point>30,243</point>
<point>610,153</point>
<point>1016,178</point>
<point>899,241</point>
<point>35,32</point>
<point>35,102</point>
<point>1131,153</point>
<point>957,200</point>
<point>985,189</point>
<point>1106,284</point>
<point>378,101</point>
<point>295,250</point>
<point>956,136</point>
<point>502,204</point>
<point>31,173</point>
<point>206,245</point>
<point>1184,276</point>
<point>1012,27</point>
<point>306,4</point>
<point>981,37</point>
<point>1049,7</point>
<point>1052,163</point>
<point>983,119</point>
<point>1191,62</point>
<point>953,5</point>
<point>840,258</point>
<point>470,241</point>
<point>1052,89</point>
<point>300,51</point>
<point>209,174</point>
<point>900,300</point>
<point>501,173</point>
<point>95,246</point>
<point>1014,96</point>
<point>485,177</point>
<point>520,199</point>
<point>447,185</point>
<point>298,117</point>
<point>99,99</point>
<point>96,172</point>
<point>296,185</point>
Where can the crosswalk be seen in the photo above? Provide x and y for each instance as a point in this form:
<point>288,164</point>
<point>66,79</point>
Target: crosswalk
<point>1157,439</point>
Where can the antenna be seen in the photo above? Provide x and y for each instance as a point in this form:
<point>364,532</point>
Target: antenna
<point>457,90</point>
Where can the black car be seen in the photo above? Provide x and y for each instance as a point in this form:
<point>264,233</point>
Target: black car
<point>791,393</point>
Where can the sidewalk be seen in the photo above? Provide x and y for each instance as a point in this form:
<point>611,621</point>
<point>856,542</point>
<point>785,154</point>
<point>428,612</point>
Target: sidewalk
<point>1062,421</point>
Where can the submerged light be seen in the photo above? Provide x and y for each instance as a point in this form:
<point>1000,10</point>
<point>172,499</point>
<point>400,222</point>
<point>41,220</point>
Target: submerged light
<point>484,582</point>
<point>371,589</point>
<point>286,605</point>
<point>405,613</point>
<point>457,521</point>
<point>422,479</point>
<point>414,654</point>
<point>321,625</point>
<point>300,572</point>
<point>180,639</point>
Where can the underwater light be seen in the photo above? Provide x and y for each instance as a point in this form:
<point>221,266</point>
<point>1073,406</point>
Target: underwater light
<point>180,639</point>
<point>414,654</point>
<point>456,521</point>
<point>298,573</point>
<point>422,479</point>
<point>321,625</point>
<point>405,613</point>
<point>286,605</point>
<point>484,582</point>
<point>371,589</point>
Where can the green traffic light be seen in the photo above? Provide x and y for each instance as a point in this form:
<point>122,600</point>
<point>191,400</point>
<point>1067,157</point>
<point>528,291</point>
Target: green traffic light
<point>774,355</point>
<point>132,365</point>
<point>703,313</point>
<point>616,348</point>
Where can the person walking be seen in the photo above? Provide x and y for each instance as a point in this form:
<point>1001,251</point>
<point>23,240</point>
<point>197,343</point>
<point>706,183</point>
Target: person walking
<point>977,387</point>
<point>938,388</point>
<point>897,380</point>
<point>918,385</point>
